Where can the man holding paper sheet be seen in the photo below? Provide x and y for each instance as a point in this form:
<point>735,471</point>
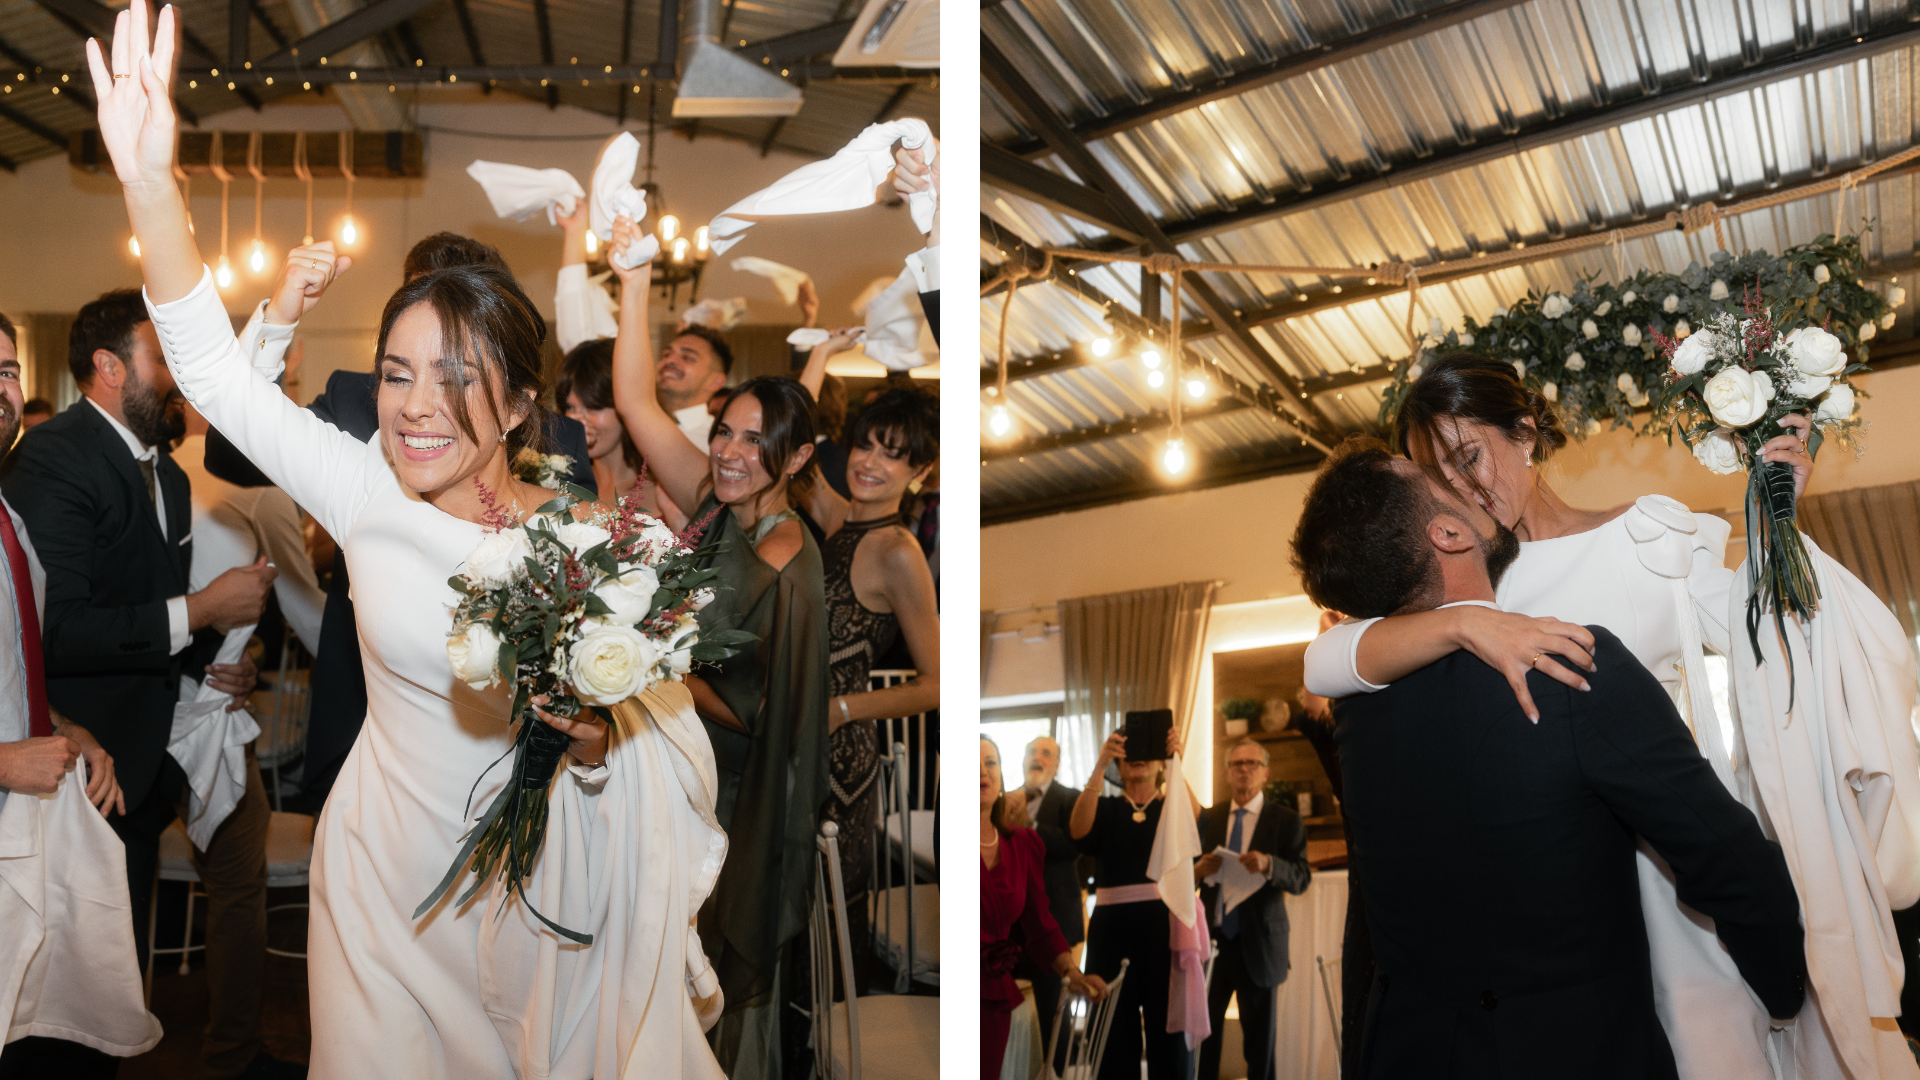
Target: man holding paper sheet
<point>1256,852</point>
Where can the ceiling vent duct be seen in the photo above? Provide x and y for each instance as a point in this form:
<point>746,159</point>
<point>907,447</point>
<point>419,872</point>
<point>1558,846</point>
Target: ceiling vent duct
<point>715,81</point>
<point>893,33</point>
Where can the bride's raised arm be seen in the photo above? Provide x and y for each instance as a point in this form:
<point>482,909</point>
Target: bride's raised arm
<point>320,466</point>
<point>679,466</point>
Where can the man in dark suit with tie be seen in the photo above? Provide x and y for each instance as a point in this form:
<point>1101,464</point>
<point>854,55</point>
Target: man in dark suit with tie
<point>1497,853</point>
<point>1050,806</point>
<point>110,515</point>
<point>1269,841</point>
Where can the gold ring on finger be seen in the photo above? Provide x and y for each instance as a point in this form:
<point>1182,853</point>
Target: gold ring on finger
<point>123,76</point>
<point>1535,662</point>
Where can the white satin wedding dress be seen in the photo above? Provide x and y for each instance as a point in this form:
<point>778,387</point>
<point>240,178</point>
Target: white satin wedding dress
<point>1656,577</point>
<point>633,846</point>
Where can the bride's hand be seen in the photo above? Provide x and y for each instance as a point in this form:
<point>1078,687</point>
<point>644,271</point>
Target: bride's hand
<point>1792,449</point>
<point>135,91</point>
<point>1514,644</point>
<point>587,730</point>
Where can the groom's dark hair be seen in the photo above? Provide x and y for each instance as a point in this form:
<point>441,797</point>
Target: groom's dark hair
<point>1361,546</point>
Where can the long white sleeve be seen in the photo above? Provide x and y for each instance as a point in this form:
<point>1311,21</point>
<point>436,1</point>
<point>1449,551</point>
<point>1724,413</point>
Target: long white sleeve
<point>580,310</point>
<point>325,470</point>
<point>1333,664</point>
<point>265,344</point>
<point>1710,582</point>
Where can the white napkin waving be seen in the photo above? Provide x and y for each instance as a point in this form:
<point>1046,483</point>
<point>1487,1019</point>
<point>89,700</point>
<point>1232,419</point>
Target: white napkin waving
<point>1175,845</point>
<point>785,278</point>
<point>517,192</point>
<point>614,196</point>
<point>845,181</point>
<point>210,744</point>
<point>715,314</point>
<point>894,322</point>
<point>808,337</point>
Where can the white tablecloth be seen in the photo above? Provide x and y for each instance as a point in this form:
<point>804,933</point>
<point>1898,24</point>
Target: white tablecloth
<point>1303,1031</point>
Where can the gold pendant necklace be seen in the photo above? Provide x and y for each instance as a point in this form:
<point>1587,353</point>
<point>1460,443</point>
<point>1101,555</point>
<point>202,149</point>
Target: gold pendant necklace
<point>1139,809</point>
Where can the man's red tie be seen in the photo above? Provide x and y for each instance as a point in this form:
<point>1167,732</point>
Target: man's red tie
<point>39,724</point>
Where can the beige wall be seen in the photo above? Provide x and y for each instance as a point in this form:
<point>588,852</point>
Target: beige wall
<point>1239,534</point>
<point>63,233</point>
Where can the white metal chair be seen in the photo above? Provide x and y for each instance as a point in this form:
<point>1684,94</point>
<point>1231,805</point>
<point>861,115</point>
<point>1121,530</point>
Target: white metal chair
<point>1087,1024</point>
<point>1329,979</point>
<point>289,856</point>
<point>911,730</point>
<point>902,1033</point>
<point>289,860</point>
<point>905,918</point>
<point>281,706</point>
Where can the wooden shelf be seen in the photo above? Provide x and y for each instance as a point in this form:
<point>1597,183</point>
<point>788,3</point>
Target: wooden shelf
<point>1265,736</point>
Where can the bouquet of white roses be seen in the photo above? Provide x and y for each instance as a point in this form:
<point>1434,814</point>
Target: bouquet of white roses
<point>1728,384</point>
<point>543,470</point>
<point>582,612</point>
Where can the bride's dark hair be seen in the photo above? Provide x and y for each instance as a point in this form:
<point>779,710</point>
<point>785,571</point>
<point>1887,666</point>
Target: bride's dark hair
<point>1476,387</point>
<point>484,318</point>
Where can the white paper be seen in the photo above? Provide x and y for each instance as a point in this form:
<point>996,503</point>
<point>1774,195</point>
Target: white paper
<point>517,192</point>
<point>210,744</point>
<point>1236,881</point>
<point>846,181</point>
<point>615,196</point>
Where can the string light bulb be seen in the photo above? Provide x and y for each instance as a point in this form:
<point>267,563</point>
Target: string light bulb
<point>1175,459</point>
<point>348,234</point>
<point>1156,379</point>
<point>1102,346</point>
<point>257,260</point>
<point>1196,388</point>
<point>1151,358</point>
<point>133,245</point>
<point>223,274</point>
<point>593,242</point>
<point>1000,421</point>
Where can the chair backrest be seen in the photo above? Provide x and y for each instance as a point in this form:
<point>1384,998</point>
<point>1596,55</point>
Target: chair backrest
<point>913,731</point>
<point>828,943</point>
<point>1330,978</point>
<point>894,809</point>
<point>1086,1023</point>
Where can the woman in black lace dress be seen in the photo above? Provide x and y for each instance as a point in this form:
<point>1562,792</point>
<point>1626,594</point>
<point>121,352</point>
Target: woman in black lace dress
<point>878,586</point>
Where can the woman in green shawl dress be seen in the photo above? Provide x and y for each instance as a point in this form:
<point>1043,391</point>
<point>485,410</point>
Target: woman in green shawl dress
<point>766,707</point>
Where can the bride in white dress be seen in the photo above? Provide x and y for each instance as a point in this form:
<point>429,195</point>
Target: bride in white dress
<point>474,990</point>
<point>1654,574</point>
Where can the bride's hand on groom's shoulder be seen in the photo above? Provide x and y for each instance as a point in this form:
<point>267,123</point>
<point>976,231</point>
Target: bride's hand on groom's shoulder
<point>1515,644</point>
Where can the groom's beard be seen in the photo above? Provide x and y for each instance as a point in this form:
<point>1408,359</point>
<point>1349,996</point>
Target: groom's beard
<point>1500,552</point>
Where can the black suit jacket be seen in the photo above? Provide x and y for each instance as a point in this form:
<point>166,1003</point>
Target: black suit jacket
<point>1050,820</point>
<point>1497,859</point>
<point>110,572</point>
<point>1263,916</point>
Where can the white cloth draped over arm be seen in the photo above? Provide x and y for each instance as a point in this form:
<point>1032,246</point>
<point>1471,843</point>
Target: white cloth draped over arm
<point>1332,661</point>
<point>895,323</point>
<point>517,192</point>
<point>326,470</point>
<point>615,196</point>
<point>845,181</point>
<point>210,744</point>
<point>582,310</point>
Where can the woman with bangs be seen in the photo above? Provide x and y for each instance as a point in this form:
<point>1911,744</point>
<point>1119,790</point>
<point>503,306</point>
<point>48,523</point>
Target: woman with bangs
<point>1650,571</point>
<point>878,588</point>
<point>481,988</point>
<point>766,707</point>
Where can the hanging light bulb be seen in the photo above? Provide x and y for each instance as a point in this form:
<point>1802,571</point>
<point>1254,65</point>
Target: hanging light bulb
<point>133,245</point>
<point>1151,358</point>
<point>1175,458</point>
<point>1000,421</point>
<point>668,228</point>
<point>680,249</point>
<point>1196,388</point>
<point>1102,346</point>
<point>593,242</point>
<point>257,260</point>
<point>700,239</point>
<point>1156,379</point>
<point>348,234</point>
<point>223,274</point>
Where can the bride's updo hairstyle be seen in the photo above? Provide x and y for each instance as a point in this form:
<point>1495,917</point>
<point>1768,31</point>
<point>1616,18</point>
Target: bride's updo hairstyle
<point>484,318</point>
<point>1473,386</point>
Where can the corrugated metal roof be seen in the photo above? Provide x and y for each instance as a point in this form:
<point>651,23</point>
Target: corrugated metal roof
<point>1475,84</point>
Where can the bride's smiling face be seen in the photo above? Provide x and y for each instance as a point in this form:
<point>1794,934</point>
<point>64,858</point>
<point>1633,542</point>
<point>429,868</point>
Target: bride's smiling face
<point>419,429</point>
<point>1488,466</point>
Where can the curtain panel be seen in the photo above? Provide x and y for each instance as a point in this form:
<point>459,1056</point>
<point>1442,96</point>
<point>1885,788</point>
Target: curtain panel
<point>1874,532</point>
<point>1126,651</point>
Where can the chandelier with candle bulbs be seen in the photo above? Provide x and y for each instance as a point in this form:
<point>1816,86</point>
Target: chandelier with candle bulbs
<point>683,256</point>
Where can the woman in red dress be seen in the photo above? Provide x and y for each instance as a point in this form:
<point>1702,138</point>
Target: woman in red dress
<point>1012,896</point>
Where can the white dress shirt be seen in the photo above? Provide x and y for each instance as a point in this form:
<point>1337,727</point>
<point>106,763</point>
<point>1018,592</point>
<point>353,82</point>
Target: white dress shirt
<point>178,631</point>
<point>925,267</point>
<point>13,667</point>
<point>1247,825</point>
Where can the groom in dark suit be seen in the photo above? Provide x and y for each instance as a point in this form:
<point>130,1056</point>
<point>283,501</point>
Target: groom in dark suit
<point>1497,854</point>
<point>1268,840</point>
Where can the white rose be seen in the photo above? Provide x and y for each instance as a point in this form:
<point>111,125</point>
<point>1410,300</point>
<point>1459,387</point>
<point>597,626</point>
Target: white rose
<point>1897,295</point>
<point>1555,306</point>
<point>611,664</point>
<point>475,655</point>
<point>629,596</point>
<point>1737,397</point>
<point>1682,328</point>
<point>1638,398</point>
<point>1821,275</point>
<point>1520,368</point>
<point>1867,330</point>
<point>1718,452</point>
<point>1625,383</point>
<point>580,537</point>
<point>1886,321</point>
<point>1629,296</point>
<point>1630,336</point>
<point>1500,313</point>
<point>1467,339</point>
<point>1718,292</point>
<point>1589,330</point>
<point>1815,351</point>
<point>1837,405</point>
<point>1605,306</point>
<point>1414,372</point>
<point>1693,353</point>
<point>1550,391</point>
<point>1808,387</point>
<point>496,558</point>
<point>1593,427</point>
<point>1671,304</point>
<point>1436,327</point>
<point>1576,362</point>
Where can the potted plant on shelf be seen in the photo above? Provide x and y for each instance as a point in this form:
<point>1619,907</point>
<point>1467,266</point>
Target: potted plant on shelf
<point>1241,713</point>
